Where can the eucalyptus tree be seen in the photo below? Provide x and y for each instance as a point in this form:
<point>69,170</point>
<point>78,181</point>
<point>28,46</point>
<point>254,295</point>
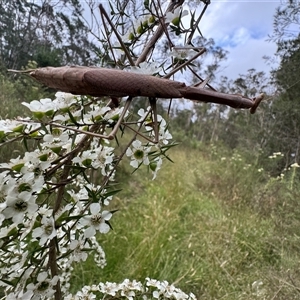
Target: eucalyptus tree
<point>285,109</point>
<point>49,32</point>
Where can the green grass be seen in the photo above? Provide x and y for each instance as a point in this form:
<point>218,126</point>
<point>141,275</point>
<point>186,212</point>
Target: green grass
<point>12,93</point>
<point>194,226</point>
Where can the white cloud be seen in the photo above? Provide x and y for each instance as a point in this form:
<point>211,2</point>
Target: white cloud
<point>246,56</point>
<point>242,28</point>
<point>237,37</point>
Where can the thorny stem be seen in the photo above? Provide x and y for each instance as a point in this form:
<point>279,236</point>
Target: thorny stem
<point>54,268</point>
<point>189,40</point>
<point>203,50</point>
<point>157,34</point>
<point>52,245</point>
<point>60,195</point>
<point>163,24</point>
<point>153,106</point>
<point>103,13</point>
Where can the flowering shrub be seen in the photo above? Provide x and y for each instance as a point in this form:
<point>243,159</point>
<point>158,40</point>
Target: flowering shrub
<point>51,208</point>
<point>133,289</point>
<point>54,199</point>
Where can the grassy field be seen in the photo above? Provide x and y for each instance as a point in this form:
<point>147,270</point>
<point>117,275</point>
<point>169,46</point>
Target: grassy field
<point>212,223</point>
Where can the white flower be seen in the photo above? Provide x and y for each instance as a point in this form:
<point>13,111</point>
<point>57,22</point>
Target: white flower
<point>78,254</point>
<point>104,158</point>
<point>64,100</point>
<point>85,159</point>
<point>155,165</point>
<point>99,256</point>
<point>37,160</point>
<point>28,182</point>
<point>56,141</point>
<point>192,296</point>
<point>2,218</point>
<point>169,289</point>
<point>44,286</point>
<point>20,296</point>
<point>257,287</point>
<point>132,285</point>
<point>4,231</point>
<point>15,164</point>
<point>7,126</point>
<point>42,106</point>
<point>109,288</point>
<point>152,282</point>
<point>138,154</point>
<point>146,118</point>
<point>182,53</point>
<point>45,211</point>
<point>64,117</point>
<point>21,257</point>
<point>275,154</point>
<point>173,17</point>
<point>18,205</point>
<point>113,115</point>
<point>46,231</point>
<point>96,114</point>
<point>82,194</point>
<point>129,294</point>
<point>295,165</point>
<point>96,220</point>
<point>85,294</point>
<point>7,185</point>
<point>164,134</point>
<point>147,68</point>
<point>31,126</point>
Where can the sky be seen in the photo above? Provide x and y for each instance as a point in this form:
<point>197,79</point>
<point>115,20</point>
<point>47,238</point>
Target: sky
<point>242,28</point>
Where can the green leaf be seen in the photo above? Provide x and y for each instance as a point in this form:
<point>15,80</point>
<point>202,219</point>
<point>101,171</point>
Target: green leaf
<point>146,4</point>
<point>73,119</point>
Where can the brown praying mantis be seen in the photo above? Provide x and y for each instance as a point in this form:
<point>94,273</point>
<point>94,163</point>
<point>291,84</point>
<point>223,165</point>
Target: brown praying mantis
<point>99,82</point>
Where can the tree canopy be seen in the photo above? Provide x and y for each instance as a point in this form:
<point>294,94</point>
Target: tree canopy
<point>48,32</point>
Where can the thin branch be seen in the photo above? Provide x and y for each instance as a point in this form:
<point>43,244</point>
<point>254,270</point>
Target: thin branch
<point>189,39</point>
<point>157,34</point>
<point>203,50</point>
<point>103,13</point>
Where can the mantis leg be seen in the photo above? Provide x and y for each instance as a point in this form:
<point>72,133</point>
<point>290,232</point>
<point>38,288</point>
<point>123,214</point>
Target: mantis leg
<point>111,136</point>
<point>156,126</point>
